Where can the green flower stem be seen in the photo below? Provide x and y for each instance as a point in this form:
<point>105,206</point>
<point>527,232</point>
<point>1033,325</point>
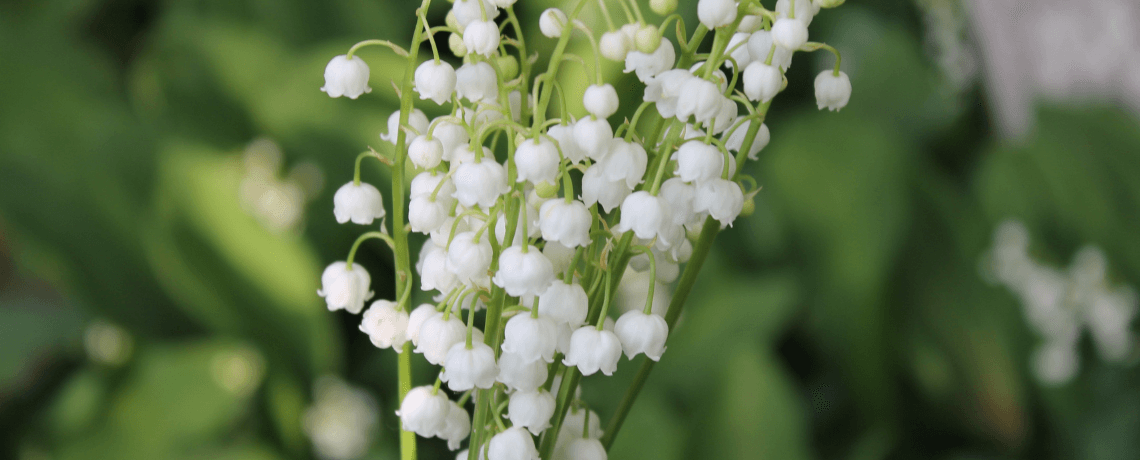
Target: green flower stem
<point>555,61</point>
<point>361,239</point>
<point>394,47</point>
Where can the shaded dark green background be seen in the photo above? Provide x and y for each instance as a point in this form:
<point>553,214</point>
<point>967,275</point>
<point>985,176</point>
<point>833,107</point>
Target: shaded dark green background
<point>844,319</point>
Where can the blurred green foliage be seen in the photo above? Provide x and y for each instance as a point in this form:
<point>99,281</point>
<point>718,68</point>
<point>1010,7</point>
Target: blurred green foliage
<point>844,319</point>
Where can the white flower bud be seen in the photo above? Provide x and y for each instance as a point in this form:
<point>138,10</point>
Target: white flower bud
<point>435,81</point>
<point>503,3</point>
<point>424,413</point>
<point>477,82</point>
<point>531,339</point>
<point>790,33</point>
<point>832,91</point>
<point>649,65</point>
<point>679,195</point>
<point>760,45</point>
<point>721,198</point>
<point>564,134</point>
<point>560,256</point>
<point>531,410</point>
<point>736,141</point>
<point>417,120</point>
<point>346,77</point>
<point>750,23</point>
<point>739,52</point>
<point>438,335</point>
<point>665,90</point>
<point>513,443</point>
<point>762,82</point>
<point>466,368</point>
<point>592,350</point>
<point>565,223</point>
<point>457,427</point>
<point>426,214</point>
<point>727,115</point>
<point>481,37</point>
<point>643,214</point>
<point>455,44</point>
<point>626,161</point>
<point>698,161</point>
<point>702,100</point>
<point>551,22</point>
<point>519,374</point>
<point>596,188</point>
<point>424,185</point>
<point>523,274</point>
<point>468,259</point>
<point>805,10</point>
<point>716,13</point>
<point>359,203</point>
<point>593,136</point>
<point>434,274</point>
<point>345,289</point>
<point>442,235</point>
<point>614,45</point>
<point>573,423</point>
<point>386,326</point>
<point>642,333</point>
<point>583,449</point>
<point>646,40</point>
<point>537,161</point>
<point>600,100</point>
<point>468,11</point>
<point>826,4</point>
<point>480,182</point>
<point>564,303</point>
<point>416,320</point>
<point>425,153</point>
<point>663,7</point>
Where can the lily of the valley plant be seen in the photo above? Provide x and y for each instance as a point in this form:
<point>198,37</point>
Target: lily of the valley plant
<point>533,215</point>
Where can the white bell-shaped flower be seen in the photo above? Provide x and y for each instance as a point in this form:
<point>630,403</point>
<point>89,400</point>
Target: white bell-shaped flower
<point>678,196</point>
<point>665,90</point>
<point>760,46</point>
<point>416,321</point>
<point>386,326</point>
<point>832,91</point>
<point>345,289</point>
<point>643,214</point>
<point>523,272</point>
<point>457,427</point>
<point>438,335</point>
<point>592,350</point>
<point>647,66</point>
<point>735,141</point>
<point>481,37</point>
<point>560,256</point>
<point>451,135</point>
<point>468,11</point>
<point>417,120</point>
<point>614,45</point>
<point>564,303</point>
<point>551,21</point>
<point>573,423</point>
<point>727,115</point>
<point>531,410</point>
<point>426,214</point>
<point>435,81</point>
<point>738,50</point>
<point>480,182</point>
<point>716,13</point>
<point>565,331</point>
<point>761,81</point>
<point>565,222</point>
<point>424,413</point>
<point>582,449</point>
<point>466,368</point>
<point>698,161</point>
<point>452,226</point>
<point>597,188</point>
<point>531,228</point>
<point>359,203</point>
<point>702,100</point>
<point>721,198</point>
<point>519,374</point>
<point>530,338</point>
<point>790,33</point>
<point>642,333</point>
<point>564,134</point>
<point>600,100</point>
<point>425,153</point>
<point>805,10</point>
<point>537,161</point>
<point>477,82</point>
<point>464,154</point>
<point>346,77</point>
<point>469,259</point>
<point>513,443</point>
<point>434,274</point>
<point>425,183</point>
<point>593,136</point>
<point>626,161</point>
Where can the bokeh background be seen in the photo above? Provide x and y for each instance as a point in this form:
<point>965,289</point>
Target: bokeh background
<point>943,270</point>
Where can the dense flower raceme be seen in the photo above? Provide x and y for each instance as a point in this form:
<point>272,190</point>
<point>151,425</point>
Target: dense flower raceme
<point>513,246</point>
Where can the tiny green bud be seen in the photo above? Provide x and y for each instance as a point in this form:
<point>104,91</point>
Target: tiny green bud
<point>519,139</point>
<point>749,207</point>
<point>546,189</point>
<point>663,7</point>
<point>509,66</point>
<point>455,42</point>
<point>451,21</point>
<point>647,39</point>
<point>828,3</point>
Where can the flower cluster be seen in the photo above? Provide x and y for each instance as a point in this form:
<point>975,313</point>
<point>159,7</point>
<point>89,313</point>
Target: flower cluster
<point>530,220</point>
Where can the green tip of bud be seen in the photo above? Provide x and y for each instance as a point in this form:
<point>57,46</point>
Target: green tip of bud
<point>749,207</point>
<point>663,7</point>
<point>455,42</point>
<point>509,66</point>
<point>647,39</point>
<point>829,3</point>
<point>545,189</point>
<point>451,21</point>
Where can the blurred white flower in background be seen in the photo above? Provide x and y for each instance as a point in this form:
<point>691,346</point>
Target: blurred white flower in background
<point>1059,304</point>
<point>342,420</point>
<point>277,203</point>
<point>239,371</point>
<point>107,343</point>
